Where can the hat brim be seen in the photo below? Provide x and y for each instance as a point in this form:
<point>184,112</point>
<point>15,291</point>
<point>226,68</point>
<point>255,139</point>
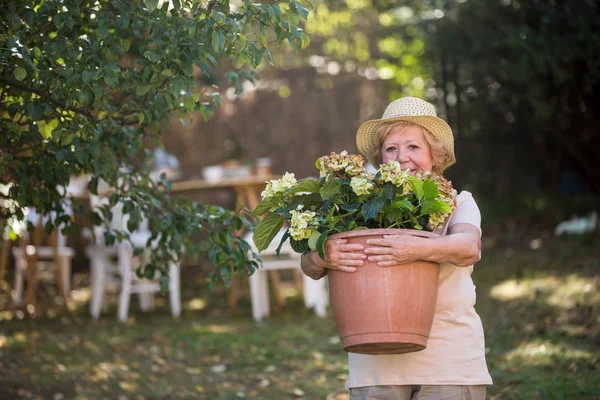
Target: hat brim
<point>366,140</point>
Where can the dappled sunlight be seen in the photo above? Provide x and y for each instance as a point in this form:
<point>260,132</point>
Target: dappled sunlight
<point>81,295</point>
<point>214,328</point>
<point>561,291</point>
<point>543,352</point>
<point>195,304</point>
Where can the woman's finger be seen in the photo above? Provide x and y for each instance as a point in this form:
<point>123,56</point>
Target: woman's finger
<point>379,250</point>
<point>352,256</point>
<point>379,258</point>
<point>350,247</point>
<point>345,269</point>
<point>356,263</point>
<point>380,242</point>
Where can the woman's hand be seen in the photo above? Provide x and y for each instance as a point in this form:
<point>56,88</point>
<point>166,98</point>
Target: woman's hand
<point>341,255</point>
<point>395,249</point>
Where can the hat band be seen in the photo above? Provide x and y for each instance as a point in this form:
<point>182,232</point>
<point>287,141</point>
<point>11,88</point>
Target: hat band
<point>407,115</point>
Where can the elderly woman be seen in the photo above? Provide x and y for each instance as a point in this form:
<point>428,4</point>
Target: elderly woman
<point>453,364</point>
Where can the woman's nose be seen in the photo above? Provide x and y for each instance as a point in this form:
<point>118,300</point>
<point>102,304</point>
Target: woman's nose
<point>402,156</point>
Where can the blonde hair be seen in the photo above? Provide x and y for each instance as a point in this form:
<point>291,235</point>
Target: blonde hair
<point>439,153</point>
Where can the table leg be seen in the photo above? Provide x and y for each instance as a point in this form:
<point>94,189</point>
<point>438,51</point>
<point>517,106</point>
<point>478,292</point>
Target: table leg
<point>31,296</point>
<point>4,258</point>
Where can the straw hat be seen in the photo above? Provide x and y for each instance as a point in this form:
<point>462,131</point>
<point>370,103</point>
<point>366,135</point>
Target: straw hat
<point>416,111</point>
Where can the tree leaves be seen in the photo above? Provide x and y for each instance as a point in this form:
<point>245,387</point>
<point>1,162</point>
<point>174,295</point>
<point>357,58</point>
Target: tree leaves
<point>218,41</point>
<point>90,94</point>
<point>151,5</point>
<point>20,73</point>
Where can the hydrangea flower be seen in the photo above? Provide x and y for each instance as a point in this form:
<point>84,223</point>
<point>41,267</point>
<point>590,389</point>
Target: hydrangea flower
<point>361,185</point>
<point>276,186</point>
<point>302,224</point>
<point>351,164</point>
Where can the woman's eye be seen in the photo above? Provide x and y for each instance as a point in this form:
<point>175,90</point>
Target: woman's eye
<point>390,149</point>
<point>413,146</point>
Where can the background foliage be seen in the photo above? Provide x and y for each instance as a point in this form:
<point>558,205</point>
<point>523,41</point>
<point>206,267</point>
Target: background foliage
<point>87,87</point>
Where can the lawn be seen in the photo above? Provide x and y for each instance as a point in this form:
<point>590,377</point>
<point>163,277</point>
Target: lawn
<point>539,299</point>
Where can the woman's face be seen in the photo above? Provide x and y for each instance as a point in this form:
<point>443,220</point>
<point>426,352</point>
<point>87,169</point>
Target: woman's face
<point>409,147</point>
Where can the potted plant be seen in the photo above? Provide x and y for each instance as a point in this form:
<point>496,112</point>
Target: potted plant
<point>377,310</point>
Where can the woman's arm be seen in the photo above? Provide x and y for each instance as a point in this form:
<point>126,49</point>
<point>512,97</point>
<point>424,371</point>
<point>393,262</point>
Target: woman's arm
<point>312,267</point>
<point>339,255</point>
<point>461,247</point>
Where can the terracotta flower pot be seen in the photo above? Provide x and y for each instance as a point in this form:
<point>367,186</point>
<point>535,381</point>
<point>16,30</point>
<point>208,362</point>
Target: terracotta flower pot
<point>384,310</point>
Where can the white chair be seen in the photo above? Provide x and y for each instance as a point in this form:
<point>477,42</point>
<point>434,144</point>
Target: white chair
<point>315,292</point>
<point>58,255</point>
<point>113,267</point>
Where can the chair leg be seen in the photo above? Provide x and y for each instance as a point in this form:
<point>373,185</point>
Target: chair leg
<point>124,301</point>
<point>264,293</point>
<point>125,268</point>
<point>98,279</point>
<point>256,296</point>
<point>175,289</point>
<point>144,299</point>
<point>57,265</point>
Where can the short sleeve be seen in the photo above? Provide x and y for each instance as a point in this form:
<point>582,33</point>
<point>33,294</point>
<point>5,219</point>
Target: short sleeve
<point>467,211</point>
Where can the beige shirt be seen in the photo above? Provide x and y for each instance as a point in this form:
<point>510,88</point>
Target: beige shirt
<point>455,353</point>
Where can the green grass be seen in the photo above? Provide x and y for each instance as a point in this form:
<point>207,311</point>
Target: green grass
<point>540,308</point>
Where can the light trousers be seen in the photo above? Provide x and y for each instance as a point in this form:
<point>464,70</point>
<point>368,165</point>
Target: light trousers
<point>418,392</point>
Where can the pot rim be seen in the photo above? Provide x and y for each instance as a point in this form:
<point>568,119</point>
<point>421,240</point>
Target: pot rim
<point>384,231</point>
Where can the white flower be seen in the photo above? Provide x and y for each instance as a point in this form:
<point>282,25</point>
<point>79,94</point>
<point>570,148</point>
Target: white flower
<point>288,181</point>
<point>361,185</point>
<point>301,224</point>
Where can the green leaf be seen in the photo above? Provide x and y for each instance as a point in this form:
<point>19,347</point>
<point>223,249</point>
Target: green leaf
<point>293,17</point>
<point>149,271</point>
<point>225,272</point>
<point>417,187</point>
<point>266,205</point>
<point>20,73</point>
<point>285,237</point>
<point>350,207</point>
<point>266,230</point>
<point>113,199</point>
<point>303,12</point>
<point>431,206</point>
<point>372,207</point>
<point>330,189</point>
<point>430,190</point>
<point>308,185</point>
<point>403,205</point>
<point>151,5</point>
<point>93,185</point>
<point>312,240</point>
<point>218,41</point>
<point>141,90</point>
<point>393,215</point>
<point>321,245</point>
<point>299,246</point>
